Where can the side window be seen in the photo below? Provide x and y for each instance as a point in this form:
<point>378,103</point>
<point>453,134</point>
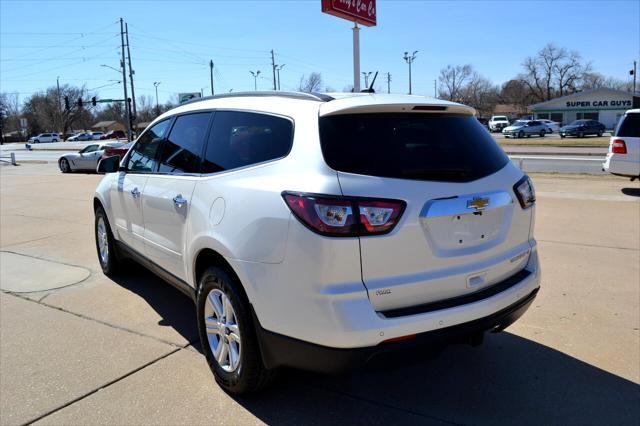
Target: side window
<point>143,153</point>
<point>182,150</point>
<point>90,148</point>
<point>240,139</point>
<point>629,126</point>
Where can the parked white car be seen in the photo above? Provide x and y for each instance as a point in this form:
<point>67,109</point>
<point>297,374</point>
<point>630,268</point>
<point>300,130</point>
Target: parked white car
<point>552,126</point>
<point>525,128</point>
<point>624,147</point>
<point>85,159</point>
<point>498,122</point>
<point>78,137</point>
<point>44,138</point>
<point>382,223</point>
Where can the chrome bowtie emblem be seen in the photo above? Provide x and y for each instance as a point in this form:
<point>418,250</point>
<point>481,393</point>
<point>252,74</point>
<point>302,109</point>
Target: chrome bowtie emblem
<point>478,203</point>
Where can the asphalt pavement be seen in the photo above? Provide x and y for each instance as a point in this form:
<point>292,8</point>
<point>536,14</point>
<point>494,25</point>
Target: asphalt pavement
<point>77,347</point>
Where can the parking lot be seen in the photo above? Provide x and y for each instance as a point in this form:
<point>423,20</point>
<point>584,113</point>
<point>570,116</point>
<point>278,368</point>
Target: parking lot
<point>79,348</point>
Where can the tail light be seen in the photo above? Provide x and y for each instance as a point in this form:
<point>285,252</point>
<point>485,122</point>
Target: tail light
<point>344,216</point>
<point>525,192</point>
<point>618,146</point>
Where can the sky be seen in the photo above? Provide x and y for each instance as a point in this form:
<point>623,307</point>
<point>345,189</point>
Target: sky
<point>172,42</point>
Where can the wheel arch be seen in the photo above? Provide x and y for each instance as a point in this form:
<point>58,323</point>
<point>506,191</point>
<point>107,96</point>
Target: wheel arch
<point>208,257</point>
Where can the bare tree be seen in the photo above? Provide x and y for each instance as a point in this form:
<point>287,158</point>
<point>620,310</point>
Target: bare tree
<point>515,92</point>
<point>310,84</point>
<point>553,71</point>
<point>45,111</point>
<point>452,80</point>
<point>480,93</point>
<point>9,112</point>
<point>594,80</point>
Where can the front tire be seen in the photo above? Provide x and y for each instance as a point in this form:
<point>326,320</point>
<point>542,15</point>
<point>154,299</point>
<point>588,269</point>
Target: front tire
<point>581,135</point>
<point>64,165</point>
<point>599,133</point>
<point>542,133</point>
<point>228,335</point>
<point>520,134</point>
<point>105,244</point>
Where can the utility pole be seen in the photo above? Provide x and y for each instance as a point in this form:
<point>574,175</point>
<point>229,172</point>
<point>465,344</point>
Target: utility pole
<point>134,117</point>
<point>388,82</point>
<point>435,93</point>
<point>278,68</point>
<point>211,71</point>
<point>59,107</point>
<point>409,59</point>
<point>273,67</point>
<point>634,72</point>
<point>255,79</point>
<point>124,81</point>
<point>156,84</point>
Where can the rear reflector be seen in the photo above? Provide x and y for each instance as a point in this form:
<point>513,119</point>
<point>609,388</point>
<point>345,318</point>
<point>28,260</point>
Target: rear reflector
<point>344,216</point>
<point>428,108</point>
<point>618,146</point>
<point>400,339</point>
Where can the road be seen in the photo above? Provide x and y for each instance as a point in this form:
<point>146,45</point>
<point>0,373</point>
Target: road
<point>78,347</point>
<point>530,163</point>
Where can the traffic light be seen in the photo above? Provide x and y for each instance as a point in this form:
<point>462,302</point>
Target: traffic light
<point>93,101</point>
<point>66,103</point>
<point>79,102</point>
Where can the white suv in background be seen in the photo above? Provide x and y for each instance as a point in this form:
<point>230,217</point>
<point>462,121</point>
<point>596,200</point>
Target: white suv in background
<point>322,231</point>
<point>624,147</point>
<point>498,122</point>
<point>44,138</point>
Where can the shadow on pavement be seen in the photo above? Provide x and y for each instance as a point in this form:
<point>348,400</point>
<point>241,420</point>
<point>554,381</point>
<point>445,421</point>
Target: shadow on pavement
<point>507,380</point>
<point>633,192</point>
<point>176,309</point>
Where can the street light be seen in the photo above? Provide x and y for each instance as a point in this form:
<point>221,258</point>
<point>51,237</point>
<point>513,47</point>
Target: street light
<point>255,79</point>
<point>109,66</point>
<point>366,78</point>
<point>409,59</point>
<point>156,84</point>
<point>278,68</point>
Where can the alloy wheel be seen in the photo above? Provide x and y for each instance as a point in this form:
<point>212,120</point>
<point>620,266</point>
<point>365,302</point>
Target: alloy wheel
<point>103,241</point>
<point>223,331</point>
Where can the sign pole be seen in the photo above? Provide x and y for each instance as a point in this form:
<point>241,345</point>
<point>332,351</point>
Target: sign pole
<point>356,57</point>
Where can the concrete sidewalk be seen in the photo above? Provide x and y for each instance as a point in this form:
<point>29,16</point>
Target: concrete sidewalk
<point>126,351</point>
<point>555,150</point>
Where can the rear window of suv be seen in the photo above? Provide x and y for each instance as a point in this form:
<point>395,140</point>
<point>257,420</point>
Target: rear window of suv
<point>440,147</point>
<point>629,126</point>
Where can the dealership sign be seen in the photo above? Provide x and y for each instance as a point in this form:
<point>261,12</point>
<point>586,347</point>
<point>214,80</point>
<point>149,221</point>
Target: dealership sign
<point>361,11</point>
<point>599,104</point>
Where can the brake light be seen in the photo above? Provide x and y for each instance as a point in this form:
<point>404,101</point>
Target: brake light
<point>618,146</point>
<point>525,192</point>
<point>344,216</point>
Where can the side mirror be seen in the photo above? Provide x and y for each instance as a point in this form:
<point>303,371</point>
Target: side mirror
<point>109,164</point>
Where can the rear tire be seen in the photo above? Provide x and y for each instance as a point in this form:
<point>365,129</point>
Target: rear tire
<point>542,133</point>
<point>230,329</point>
<point>108,256</point>
<point>520,134</point>
<point>600,133</point>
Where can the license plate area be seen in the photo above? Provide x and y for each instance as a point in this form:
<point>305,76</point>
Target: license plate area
<point>466,224</point>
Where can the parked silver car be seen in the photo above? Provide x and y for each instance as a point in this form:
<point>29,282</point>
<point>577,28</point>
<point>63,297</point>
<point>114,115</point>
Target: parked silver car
<point>522,128</point>
<point>85,159</point>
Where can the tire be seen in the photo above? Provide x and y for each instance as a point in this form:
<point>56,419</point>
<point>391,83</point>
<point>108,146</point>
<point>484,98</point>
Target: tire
<point>561,136</point>
<point>581,135</point>
<point>110,263</point>
<point>599,133</point>
<point>520,134</point>
<point>64,165</point>
<point>542,133</point>
<point>247,374</point>
<point>36,141</point>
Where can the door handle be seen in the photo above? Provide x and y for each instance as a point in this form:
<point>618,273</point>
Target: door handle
<point>179,201</point>
<point>135,192</point>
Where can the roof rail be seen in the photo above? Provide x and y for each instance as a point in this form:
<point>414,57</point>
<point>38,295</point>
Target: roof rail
<point>310,96</point>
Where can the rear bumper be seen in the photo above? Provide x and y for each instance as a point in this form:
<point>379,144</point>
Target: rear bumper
<point>621,164</point>
<point>282,351</point>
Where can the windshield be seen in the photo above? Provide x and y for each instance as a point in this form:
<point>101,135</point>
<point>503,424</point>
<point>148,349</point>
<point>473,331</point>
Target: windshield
<point>520,123</point>
<point>440,147</point>
<point>578,123</point>
<point>500,118</point>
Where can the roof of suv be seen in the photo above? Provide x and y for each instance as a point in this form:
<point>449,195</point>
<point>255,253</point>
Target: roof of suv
<point>331,103</point>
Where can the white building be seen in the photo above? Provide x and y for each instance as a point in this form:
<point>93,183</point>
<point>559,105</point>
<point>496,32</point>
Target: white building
<point>603,105</point>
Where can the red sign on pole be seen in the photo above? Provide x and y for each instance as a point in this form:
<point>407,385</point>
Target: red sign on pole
<point>361,11</point>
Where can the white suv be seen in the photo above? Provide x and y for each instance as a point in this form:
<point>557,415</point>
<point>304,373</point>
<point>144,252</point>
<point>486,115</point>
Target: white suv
<point>498,122</point>
<point>321,231</point>
<point>44,138</point>
<point>623,158</point>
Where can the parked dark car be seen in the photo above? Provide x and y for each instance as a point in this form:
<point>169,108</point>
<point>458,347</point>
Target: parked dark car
<point>582,128</point>
<point>114,134</point>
